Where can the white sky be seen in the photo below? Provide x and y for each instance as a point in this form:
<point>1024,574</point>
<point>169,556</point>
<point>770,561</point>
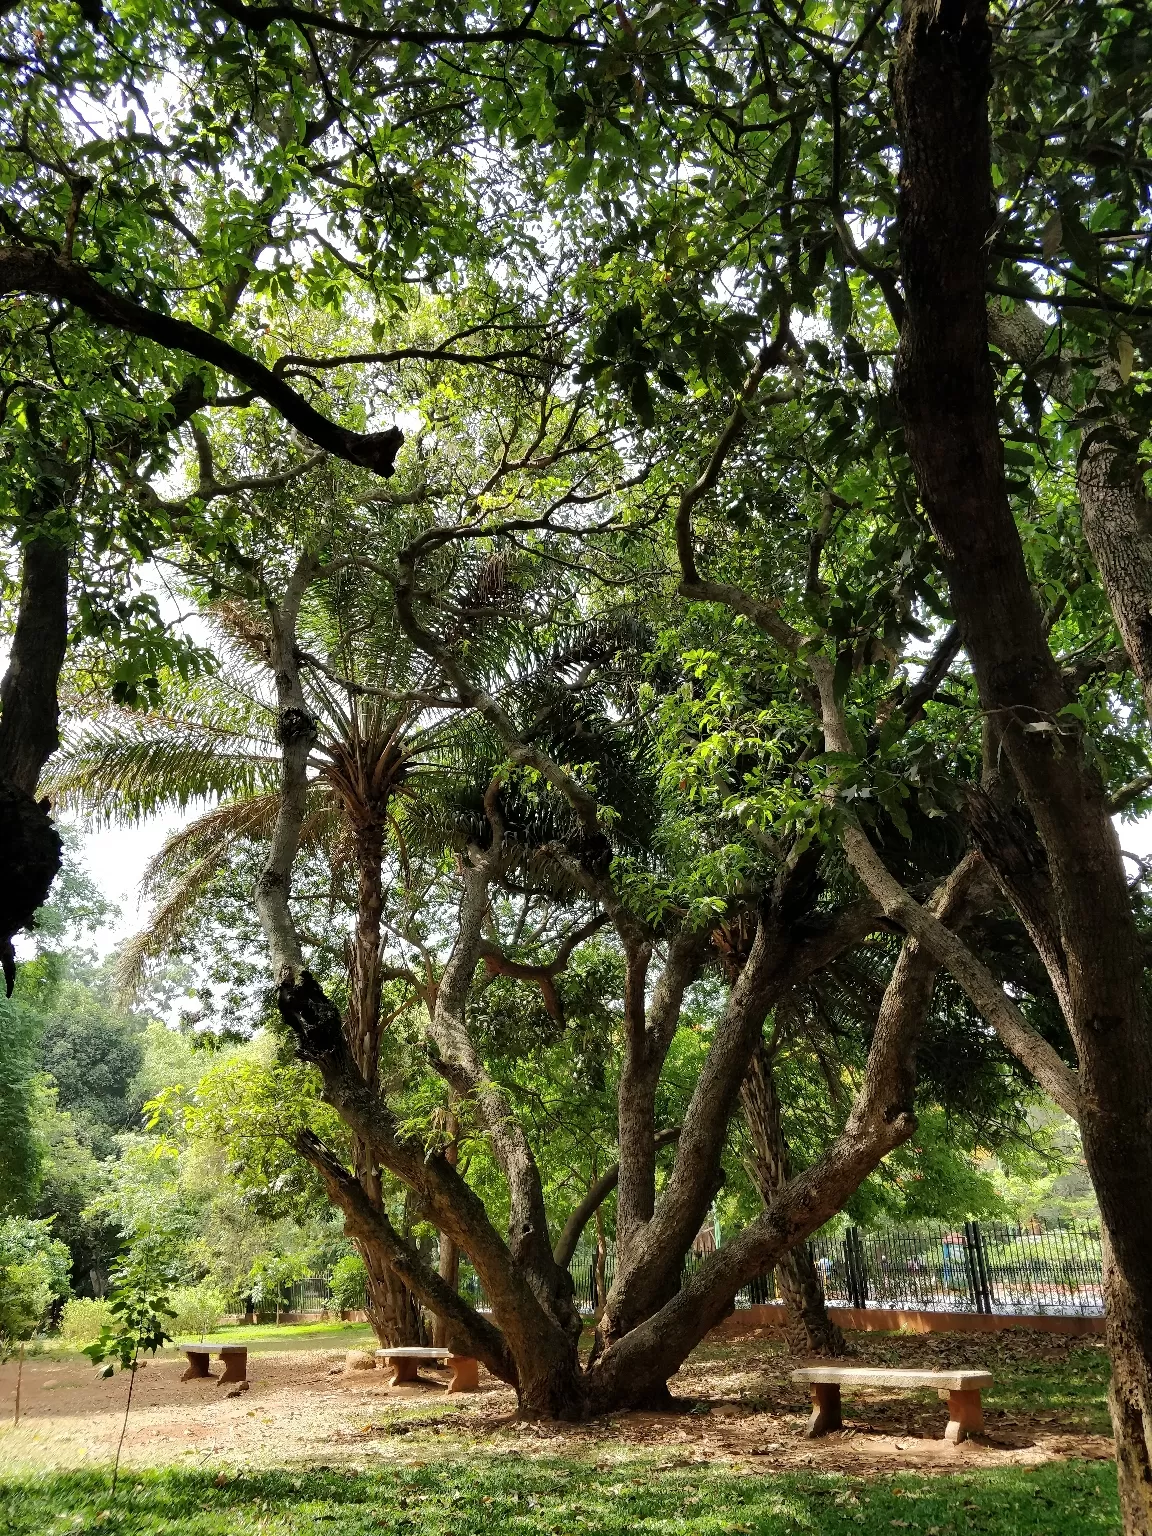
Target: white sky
<point>115,858</point>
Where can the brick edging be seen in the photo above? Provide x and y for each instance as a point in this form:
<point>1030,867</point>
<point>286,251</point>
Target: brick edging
<point>899,1320</point>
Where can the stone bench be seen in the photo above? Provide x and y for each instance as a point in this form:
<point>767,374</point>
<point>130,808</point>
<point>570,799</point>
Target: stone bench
<point>405,1359</point>
<point>962,1388</point>
<point>233,1357</point>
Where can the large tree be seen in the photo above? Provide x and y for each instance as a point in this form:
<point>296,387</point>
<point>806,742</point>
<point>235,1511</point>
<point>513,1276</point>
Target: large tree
<point>924,537</point>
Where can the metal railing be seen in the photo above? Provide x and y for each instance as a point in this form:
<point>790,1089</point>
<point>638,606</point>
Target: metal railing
<point>974,1266</point>
<point>312,1294</point>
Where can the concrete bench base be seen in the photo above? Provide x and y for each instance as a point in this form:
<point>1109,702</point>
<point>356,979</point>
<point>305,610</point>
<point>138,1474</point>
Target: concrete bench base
<point>405,1360</point>
<point>961,1388</point>
<point>233,1357</point>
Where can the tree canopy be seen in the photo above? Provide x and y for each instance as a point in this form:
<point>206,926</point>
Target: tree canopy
<point>662,498</point>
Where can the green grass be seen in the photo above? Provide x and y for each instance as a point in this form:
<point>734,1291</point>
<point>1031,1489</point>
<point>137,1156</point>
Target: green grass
<point>1073,1390</point>
<point>333,1335</point>
<point>554,1498</point>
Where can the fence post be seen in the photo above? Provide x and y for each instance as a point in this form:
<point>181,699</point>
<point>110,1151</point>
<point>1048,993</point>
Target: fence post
<point>855,1271</point>
<point>977,1279</point>
<point>983,1268</point>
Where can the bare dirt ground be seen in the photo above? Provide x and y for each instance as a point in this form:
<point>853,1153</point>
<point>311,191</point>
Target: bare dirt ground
<point>735,1405</point>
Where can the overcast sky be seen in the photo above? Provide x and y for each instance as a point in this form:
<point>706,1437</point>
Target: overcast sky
<point>115,857</point>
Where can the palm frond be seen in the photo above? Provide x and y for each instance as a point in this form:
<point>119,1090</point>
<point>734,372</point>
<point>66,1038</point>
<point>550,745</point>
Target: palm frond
<point>125,772</point>
<point>210,835</point>
<point>191,860</point>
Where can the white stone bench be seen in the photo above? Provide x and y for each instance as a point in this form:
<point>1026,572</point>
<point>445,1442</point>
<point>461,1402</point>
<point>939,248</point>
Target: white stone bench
<point>962,1388</point>
<point>233,1357</point>
<point>405,1359</point>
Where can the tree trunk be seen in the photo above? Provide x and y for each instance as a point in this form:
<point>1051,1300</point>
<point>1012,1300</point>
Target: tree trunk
<point>1130,1348</point>
<point>1114,507</point>
<point>945,391</point>
<point>808,1328</point>
<point>29,734</point>
<point>600,1267</point>
<point>448,1269</point>
<point>393,1311</point>
<point>448,1264</point>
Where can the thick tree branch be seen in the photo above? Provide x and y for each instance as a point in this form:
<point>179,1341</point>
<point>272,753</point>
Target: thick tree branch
<point>468,1332</point>
<point>257,18</point>
<point>497,963</point>
<point>24,270</point>
<point>597,1193</point>
<point>29,732</point>
<point>983,990</point>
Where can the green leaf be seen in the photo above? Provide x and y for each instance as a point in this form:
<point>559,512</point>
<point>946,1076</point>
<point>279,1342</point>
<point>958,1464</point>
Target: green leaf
<point>840,306</point>
<point>857,357</point>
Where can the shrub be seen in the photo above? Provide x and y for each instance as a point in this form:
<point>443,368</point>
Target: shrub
<point>198,1309</point>
<point>82,1319</point>
<point>33,1275</point>
<point>348,1282</point>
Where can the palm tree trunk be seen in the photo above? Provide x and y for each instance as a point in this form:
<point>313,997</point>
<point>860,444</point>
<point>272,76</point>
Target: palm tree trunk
<point>393,1311</point>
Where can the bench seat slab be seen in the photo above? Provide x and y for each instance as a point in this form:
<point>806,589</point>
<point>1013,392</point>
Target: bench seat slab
<point>881,1376</point>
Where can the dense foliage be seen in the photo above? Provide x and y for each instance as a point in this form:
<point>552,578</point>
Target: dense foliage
<point>657,512</point>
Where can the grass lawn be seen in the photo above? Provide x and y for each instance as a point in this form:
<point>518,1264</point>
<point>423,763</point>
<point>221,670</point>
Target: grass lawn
<point>312,1450</point>
<point>331,1335</point>
<point>463,1497</point>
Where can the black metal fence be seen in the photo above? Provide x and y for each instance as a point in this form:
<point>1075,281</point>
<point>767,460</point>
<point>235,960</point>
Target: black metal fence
<point>975,1266</point>
<point>312,1294</point>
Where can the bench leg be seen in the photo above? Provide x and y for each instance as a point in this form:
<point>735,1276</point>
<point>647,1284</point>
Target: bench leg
<point>235,1367</point>
<point>965,1416</point>
<point>197,1367</point>
<point>465,1373</point>
<point>825,1409</point>
<point>403,1370</point>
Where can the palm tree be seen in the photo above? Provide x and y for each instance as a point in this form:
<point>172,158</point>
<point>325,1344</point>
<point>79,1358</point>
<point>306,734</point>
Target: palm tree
<point>385,742</point>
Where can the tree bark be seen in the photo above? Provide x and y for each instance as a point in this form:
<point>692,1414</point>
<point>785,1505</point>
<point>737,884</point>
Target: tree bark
<point>30,846</point>
<point>448,1261</point>
<point>945,392</point>
<point>808,1328</point>
<point>598,1191</point>
<point>392,1310</point>
<point>649,1272</point>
